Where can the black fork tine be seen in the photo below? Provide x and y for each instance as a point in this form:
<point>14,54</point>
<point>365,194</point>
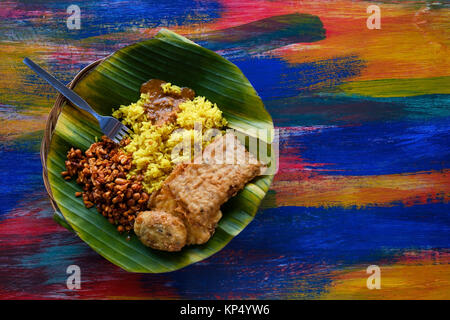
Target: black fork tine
<point>128,130</point>
<point>121,134</point>
<point>115,140</point>
<point>114,129</point>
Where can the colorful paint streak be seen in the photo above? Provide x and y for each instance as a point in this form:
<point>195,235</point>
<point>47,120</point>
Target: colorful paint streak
<point>364,157</point>
<point>417,275</point>
<point>266,34</point>
<point>359,191</point>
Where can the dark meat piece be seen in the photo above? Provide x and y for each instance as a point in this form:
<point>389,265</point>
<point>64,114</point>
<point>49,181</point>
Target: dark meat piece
<point>162,107</point>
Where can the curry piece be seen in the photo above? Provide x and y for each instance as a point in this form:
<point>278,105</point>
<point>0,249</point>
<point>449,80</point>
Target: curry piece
<point>163,106</point>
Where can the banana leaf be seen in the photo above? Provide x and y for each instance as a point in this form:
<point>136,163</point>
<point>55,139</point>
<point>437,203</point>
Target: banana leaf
<point>117,81</point>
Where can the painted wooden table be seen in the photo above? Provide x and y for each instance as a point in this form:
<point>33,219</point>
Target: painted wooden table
<point>364,119</point>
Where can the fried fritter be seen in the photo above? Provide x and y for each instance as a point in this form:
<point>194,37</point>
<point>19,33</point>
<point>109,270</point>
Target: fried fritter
<point>160,230</point>
<point>194,192</point>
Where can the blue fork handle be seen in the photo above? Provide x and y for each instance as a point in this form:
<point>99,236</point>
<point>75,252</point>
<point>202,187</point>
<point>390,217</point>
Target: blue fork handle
<point>61,88</point>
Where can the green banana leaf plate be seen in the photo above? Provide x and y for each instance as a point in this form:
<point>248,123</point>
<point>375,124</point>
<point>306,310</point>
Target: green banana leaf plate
<point>117,81</point>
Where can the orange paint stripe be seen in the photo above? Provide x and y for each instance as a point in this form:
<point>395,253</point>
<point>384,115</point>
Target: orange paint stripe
<point>427,276</point>
<point>347,191</point>
<point>410,43</point>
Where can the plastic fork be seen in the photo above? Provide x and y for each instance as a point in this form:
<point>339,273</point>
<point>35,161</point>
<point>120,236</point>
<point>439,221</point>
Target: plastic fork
<point>110,126</point>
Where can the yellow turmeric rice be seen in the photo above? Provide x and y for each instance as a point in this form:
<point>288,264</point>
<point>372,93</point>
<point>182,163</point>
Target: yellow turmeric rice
<point>152,145</point>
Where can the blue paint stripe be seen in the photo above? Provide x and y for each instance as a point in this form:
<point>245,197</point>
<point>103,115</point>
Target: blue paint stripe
<point>21,172</point>
<point>274,78</point>
<point>377,148</point>
<point>107,17</point>
<point>296,248</point>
